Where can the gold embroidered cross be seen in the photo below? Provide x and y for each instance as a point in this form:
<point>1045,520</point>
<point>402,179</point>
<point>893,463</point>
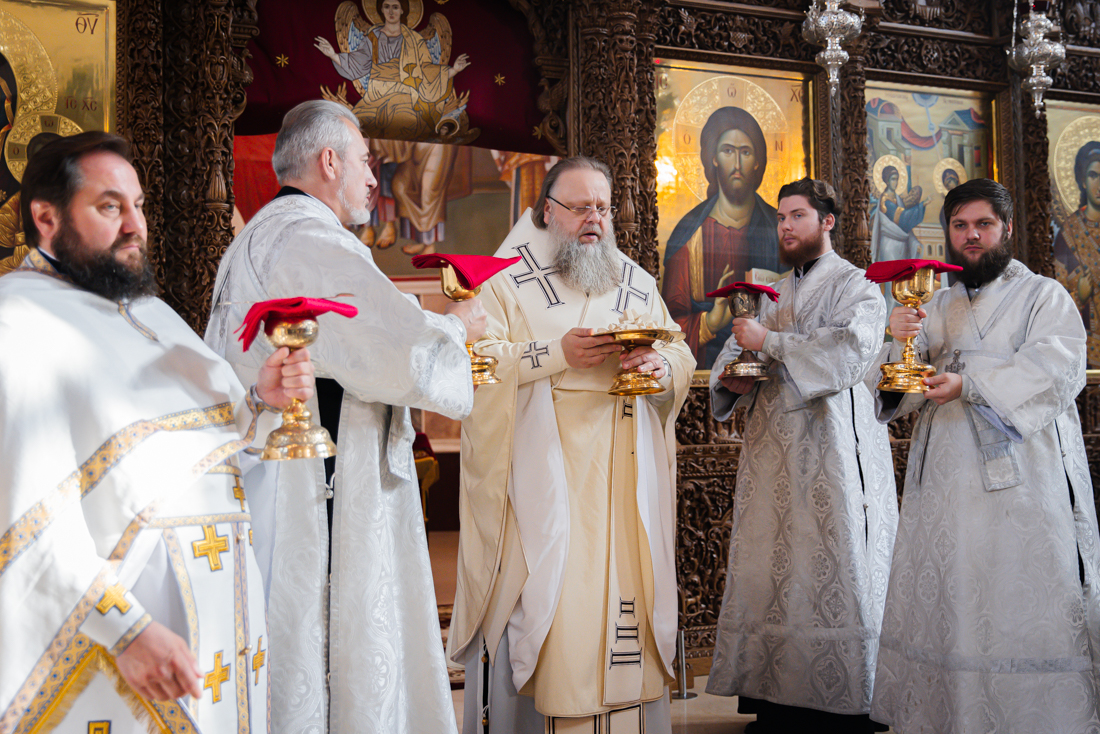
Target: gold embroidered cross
<point>214,679</point>
<point>238,491</point>
<point>212,546</point>
<point>113,596</point>
<point>258,659</point>
<point>99,727</point>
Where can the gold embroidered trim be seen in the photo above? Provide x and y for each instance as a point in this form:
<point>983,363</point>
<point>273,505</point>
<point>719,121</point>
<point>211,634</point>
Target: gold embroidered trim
<point>179,721</point>
<point>145,331</point>
<point>225,469</point>
<point>180,522</point>
<point>26,530</point>
<point>36,262</point>
<point>240,603</point>
<point>130,636</point>
<point>187,595</point>
<point>76,669</point>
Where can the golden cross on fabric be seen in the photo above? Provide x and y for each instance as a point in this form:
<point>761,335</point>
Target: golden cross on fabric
<point>99,727</point>
<point>113,596</point>
<point>258,659</point>
<point>212,546</point>
<point>214,679</point>
<point>238,491</point>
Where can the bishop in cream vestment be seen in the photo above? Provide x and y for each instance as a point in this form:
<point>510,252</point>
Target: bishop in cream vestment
<point>121,499</point>
<point>567,503</point>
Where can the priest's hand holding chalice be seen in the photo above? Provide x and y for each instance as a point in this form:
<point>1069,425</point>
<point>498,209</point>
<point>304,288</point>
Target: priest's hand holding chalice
<point>912,284</point>
<point>744,303</point>
<point>639,339</point>
<point>461,278</point>
<point>290,323</point>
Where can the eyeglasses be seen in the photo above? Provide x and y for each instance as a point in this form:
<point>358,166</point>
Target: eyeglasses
<point>584,211</point>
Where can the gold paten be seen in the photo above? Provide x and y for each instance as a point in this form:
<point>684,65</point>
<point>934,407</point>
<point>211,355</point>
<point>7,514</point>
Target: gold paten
<point>484,369</point>
<point>298,437</point>
<point>745,305</point>
<point>634,381</point>
<point>908,374</point>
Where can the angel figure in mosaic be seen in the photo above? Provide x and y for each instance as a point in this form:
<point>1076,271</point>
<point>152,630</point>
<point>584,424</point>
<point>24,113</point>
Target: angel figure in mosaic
<point>403,76</point>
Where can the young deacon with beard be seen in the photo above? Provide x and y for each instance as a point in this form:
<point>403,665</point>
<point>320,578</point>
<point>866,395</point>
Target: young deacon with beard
<point>566,579</point>
<point>992,619</point>
<point>815,509</point>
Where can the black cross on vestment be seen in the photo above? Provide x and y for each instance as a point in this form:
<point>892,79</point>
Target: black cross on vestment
<point>537,274</point>
<point>533,352</point>
<point>628,291</point>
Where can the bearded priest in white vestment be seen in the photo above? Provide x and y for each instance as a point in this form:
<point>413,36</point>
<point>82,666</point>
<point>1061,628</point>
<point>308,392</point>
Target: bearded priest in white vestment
<point>379,633</point>
<point>815,509</point>
<point>566,582</point>
<point>127,577</point>
<point>992,618</point>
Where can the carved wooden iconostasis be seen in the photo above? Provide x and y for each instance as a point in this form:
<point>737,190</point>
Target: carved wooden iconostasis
<point>182,80</point>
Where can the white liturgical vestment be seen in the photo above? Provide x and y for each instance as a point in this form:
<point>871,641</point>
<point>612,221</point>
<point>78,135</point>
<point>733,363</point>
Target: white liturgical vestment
<point>384,651</point>
<point>567,498</point>
<point>120,495</point>
<point>992,619</point>
<point>815,509</point>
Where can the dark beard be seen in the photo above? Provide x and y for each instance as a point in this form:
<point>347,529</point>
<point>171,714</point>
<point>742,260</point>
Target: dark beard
<point>991,264</point>
<point>733,195</point>
<point>807,250</point>
<point>100,272</point>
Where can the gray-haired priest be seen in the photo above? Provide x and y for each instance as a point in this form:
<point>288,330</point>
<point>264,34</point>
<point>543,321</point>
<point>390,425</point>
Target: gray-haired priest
<point>371,658</point>
<point>129,593</point>
<point>566,612</point>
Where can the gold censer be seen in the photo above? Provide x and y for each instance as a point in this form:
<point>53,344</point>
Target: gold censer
<point>908,374</point>
<point>484,369</point>
<point>298,437</point>
<point>745,305</point>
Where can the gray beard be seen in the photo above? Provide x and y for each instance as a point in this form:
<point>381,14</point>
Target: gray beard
<point>355,214</point>
<point>591,269</point>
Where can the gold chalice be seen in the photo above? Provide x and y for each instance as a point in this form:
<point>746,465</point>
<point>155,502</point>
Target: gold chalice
<point>908,374</point>
<point>634,381</point>
<point>484,369</point>
<point>298,437</point>
<point>745,305</point>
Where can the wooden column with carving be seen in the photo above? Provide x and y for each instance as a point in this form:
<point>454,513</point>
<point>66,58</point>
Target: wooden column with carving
<point>204,92</point>
<point>855,186</point>
<point>140,104</point>
<point>1036,203</point>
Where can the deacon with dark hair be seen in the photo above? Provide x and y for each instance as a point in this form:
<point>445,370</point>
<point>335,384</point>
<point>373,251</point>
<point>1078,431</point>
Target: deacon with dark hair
<point>815,510</point>
<point>127,564</point>
<point>992,620</point>
<point>565,615</point>
<point>733,231</point>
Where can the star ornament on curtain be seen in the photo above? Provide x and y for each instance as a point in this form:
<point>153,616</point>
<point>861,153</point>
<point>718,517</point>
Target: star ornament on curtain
<point>499,80</point>
<point>282,61</point>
